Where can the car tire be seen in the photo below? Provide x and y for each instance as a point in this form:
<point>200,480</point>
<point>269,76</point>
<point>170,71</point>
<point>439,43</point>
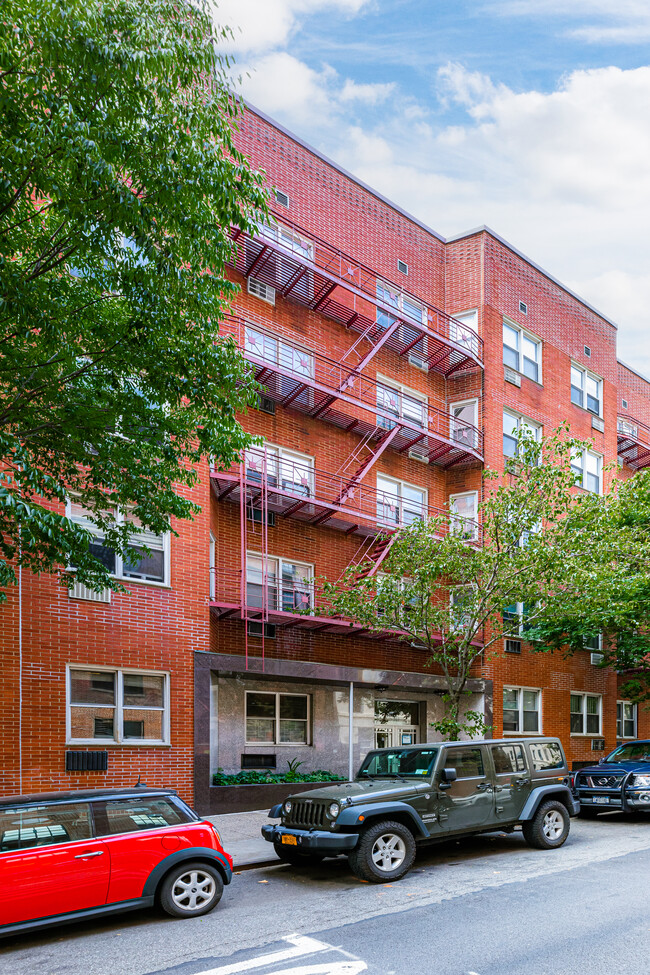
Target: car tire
<point>289,854</point>
<point>385,852</point>
<point>549,827</point>
<point>190,889</point>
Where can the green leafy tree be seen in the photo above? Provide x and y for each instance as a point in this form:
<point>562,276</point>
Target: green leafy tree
<point>118,184</point>
<point>457,595</point>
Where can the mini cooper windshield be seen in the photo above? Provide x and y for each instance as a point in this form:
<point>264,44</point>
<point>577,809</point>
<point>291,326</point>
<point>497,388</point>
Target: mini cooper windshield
<point>414,763</point>
<point>634,752</point>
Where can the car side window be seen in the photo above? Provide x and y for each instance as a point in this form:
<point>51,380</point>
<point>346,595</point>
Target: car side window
<point>131,815</point>
<point>24,827</point>
<point>508,759</point>
<point>468,762</point>
<point>546,755</point>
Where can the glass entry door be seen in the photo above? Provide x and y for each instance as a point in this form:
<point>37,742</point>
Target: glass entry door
<point>396,723</point>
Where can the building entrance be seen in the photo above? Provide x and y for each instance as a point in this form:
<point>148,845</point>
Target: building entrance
<point>396,723</point>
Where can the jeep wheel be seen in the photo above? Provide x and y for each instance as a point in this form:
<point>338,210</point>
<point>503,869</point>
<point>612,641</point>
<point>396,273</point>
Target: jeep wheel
<point>289,854</point>
<point>549,827</point>
<point>385,852</point>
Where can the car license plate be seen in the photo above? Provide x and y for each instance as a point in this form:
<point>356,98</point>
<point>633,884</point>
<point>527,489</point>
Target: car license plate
<point>289,840</point>
<point>601,800</point>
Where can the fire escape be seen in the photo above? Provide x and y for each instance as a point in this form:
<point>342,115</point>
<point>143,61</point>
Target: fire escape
<point>633,442</point>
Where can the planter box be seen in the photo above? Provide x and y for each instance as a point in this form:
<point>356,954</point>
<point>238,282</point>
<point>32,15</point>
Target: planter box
<point>243,798</point>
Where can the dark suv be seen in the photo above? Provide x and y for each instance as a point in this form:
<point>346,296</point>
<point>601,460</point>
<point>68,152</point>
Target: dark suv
<point>402,797</point>
<point>620,781</point>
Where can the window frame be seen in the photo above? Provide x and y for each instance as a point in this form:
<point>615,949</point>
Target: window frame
<point>276,732</point>
<point>459,520</point>
<point>402,390</point>
<point>119,708</point>
<point>523,626</point>
<point>523,333</point>
<point>453,434</point>
<point>522,421</point>
<point>278,607</point>
<point>463,330</point>
<point>622,720</point>
<point>520,710</point>
<point>293,457</point>
<point>119,560</point>
<point>584,733</point>
<point>586,374</point>
<point>584,473</point>
<point>400,484</point>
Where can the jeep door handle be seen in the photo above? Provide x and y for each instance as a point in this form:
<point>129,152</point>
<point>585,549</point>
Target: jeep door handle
<point>484,787</point>
<point>522,782</point>
<point>91,853</point>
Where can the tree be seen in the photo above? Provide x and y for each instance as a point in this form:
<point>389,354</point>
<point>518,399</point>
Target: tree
<point>457,594</point>
<point>119,183</point>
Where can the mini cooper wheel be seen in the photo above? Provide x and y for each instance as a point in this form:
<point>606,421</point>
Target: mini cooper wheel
<point>190,890</point>
<point>549,827</point>
<point>289,854</point>
<point>385,852</point>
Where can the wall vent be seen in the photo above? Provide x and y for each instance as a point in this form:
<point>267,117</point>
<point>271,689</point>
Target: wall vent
<point>523,307</point>
<point>255,629</point>
<point>86,761</point>
<point>266,405</point>
<point>260,290</point>
<point>259,761</point>
<point>416,455</point>
<point>587,351</point>
<point>596,659</point>
<point>282,198</point>
<point>625,404</point>
<point>511,376</point>
<point>403,267</point>
<point>513,646</point>
<point>598,744</point>
<point>597,423</point>
<point>79,591</point>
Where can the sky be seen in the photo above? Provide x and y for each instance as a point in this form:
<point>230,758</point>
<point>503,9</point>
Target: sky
<point>530,116</point>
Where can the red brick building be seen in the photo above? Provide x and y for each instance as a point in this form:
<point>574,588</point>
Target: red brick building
<point>395,366</point>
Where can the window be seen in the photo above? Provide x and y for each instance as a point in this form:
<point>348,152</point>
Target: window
<point>461,602</point>
<point>287,469</point>
<point>131,815</point>
<point>587,466</point>
<point>151,566</point>
<point>25,827</point>
<point>513,425</point>
<point>463,510</point>
<point>288,238</point>
<point>463,330</point>
<point>410,310</point>
<point>281,585</point>
<point>508,759</point>
<point>277,719</point>
<point>522,710</point>
<point>625,719</point>
<point>468,762</point>
<point>463,423</point>
<point>586,712</point>
<point>546,755</point>
<point>514,617</point>
<point>594,644</point>
<point>399,503</point>
<point>586,390</point>
<point>275,351</point>
<point>400,401</point>
<point>118,706</point>
<point>522,352</point>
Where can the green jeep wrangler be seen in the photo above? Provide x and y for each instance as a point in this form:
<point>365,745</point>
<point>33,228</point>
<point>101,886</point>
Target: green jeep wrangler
<point>403,797</point>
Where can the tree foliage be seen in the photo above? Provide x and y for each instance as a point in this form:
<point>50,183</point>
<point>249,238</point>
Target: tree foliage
<point>456,598</point>
<point>119,182</point>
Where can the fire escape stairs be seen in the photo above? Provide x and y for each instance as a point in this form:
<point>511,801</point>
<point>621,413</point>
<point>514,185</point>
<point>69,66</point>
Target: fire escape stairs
<point>374,559</point>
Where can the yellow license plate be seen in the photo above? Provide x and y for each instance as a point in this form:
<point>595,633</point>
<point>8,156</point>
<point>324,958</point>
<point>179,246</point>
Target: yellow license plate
<point>289,840</point>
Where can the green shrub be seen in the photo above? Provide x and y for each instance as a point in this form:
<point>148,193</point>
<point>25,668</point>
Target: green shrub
<point>268,778</point>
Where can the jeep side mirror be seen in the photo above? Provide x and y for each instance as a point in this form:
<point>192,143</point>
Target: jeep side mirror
<point>447,776</point>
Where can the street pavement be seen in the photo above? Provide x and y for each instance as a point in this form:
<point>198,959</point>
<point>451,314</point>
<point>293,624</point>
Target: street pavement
<point>484,906</point>
<point>242,837</point>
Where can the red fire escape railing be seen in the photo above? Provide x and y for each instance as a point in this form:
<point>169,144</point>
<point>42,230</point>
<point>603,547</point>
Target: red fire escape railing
<point>321,277</point>
<point>633,438</point>
<point>298,490</point>
<point>307,381</point>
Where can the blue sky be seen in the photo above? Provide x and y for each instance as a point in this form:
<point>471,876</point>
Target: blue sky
<point>531,116</point>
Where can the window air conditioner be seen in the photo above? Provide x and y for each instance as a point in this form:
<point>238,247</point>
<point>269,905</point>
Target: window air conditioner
<point>416,455</point>
<point>260,290</point>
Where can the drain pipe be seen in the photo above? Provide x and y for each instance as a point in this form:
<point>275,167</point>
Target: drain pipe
<point>350,733</point>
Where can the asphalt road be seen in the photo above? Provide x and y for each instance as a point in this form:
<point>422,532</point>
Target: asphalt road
<point>485,906</point>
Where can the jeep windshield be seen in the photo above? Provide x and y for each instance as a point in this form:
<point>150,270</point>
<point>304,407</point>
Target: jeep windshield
<point>416,763</point>
<point>634,752</point>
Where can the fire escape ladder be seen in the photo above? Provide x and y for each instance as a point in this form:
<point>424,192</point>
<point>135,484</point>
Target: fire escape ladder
<point>260,503</point>
<point>378,448</point>
<point>377,556</point>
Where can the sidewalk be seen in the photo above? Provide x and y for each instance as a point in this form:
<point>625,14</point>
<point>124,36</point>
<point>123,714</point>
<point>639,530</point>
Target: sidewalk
<point>243,840</point>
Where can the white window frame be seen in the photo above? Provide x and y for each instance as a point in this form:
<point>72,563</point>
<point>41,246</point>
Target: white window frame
<point>522,423</point>
<point>457,626</point>
<point>278,585</point>
<point>463,330</point>
<point>520,366</point>
<point>277,742</point>
<point>276,453</point>
<point>521,631</point>
<point>453,431</point>
<point>520,709</point>
<point>586,374</point>
<point>581,468</point>
<point>213,581</point>
<point>394,387</point>
<point>458,524</point>
<point>119,561</point>
<point>399,494</point>
<point>622,720</point>
<point>287,237</point>
<point>118,707</point>
<point>281,344</point>
<point>583,711</point>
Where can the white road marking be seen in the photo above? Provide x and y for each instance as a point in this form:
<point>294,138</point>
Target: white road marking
<point>328,968</point>
<point>302,946</point>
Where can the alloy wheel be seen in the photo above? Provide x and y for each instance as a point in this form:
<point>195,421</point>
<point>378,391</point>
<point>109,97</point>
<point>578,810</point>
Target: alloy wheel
<point>388,852</point>
<point>553,824</point>
<point>193,890</point>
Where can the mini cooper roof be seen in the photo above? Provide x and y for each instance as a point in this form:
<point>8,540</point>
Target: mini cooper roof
<point>84,795</point>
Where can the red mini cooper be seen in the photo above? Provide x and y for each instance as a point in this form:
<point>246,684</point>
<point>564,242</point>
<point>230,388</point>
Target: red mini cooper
<point>71,855</point>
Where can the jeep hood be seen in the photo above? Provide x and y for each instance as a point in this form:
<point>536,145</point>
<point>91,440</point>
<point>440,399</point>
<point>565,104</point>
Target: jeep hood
<point>365,791</point>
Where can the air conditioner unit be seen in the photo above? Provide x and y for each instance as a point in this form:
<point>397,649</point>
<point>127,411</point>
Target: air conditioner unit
<point>79,591</point>
<point>597,423</point>
<point>598,744</point>
<point>260,290</point>
<point>418,362</point>
<point>266,405</point>
<point>511,376</point>
<point>416,455</point>
<point>513,646</point>
<point>596,659</point>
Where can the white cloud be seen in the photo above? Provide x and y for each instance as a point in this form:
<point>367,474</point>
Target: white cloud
<point>623,22</point>
<point>263,25</point>
<point>371,94</point>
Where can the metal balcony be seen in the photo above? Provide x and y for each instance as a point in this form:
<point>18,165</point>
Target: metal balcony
<point>311,383</point>
<point>321,277</point>
<point>300,491</point>
<point>633,442</point>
